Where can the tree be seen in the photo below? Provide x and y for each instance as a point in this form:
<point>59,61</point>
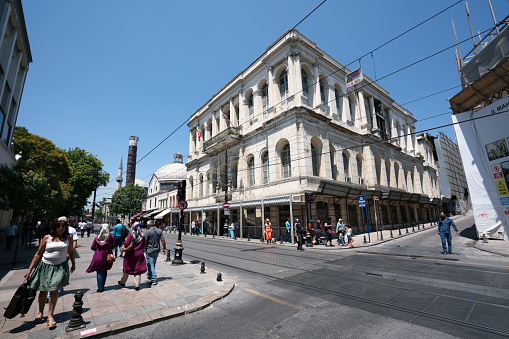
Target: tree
<point>46,164</point>
<point>87,176</point>
<point>127,200</point>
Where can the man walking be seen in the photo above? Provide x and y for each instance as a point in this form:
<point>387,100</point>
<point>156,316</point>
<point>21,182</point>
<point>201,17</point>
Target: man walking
<point>444,230</point>
<point>298,231</point>
<point>10,234</point>
<point>117,235</point>
<point>152,248</point>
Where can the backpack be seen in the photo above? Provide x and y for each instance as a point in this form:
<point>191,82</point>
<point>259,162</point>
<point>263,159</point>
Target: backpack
<point>124,233</point>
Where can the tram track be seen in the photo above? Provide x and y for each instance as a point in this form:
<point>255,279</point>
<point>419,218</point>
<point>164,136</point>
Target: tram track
<point>388,305</point>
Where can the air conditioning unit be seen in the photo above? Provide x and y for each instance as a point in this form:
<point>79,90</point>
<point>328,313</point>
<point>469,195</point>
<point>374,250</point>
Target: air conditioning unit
<point>361,181</point>
<point>348,179</point>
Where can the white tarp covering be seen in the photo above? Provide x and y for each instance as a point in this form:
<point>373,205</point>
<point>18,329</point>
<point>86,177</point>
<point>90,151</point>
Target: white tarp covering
<point>483,140</point>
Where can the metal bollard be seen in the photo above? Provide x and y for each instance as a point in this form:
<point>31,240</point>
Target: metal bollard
<point>413,227</point>
<point>381,235</point>
<point>202,269</point>
<point>76,321</point>
<point>406,227</point>
<point>248,237</point>
<point>219,277</point>
<point>391,234</point>
<point>281,240</point>
<point>399,231</point>
<point>484,240</point>
<point>167,256</point>
<point>365,241</point>
<point>418,226</point>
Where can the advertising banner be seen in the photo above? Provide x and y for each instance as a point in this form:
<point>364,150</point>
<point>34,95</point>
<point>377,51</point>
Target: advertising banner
<point>354,78</point>
<point>483,140</point>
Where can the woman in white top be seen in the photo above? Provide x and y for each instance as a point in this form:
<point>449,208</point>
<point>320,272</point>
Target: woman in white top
<point>49,269</point>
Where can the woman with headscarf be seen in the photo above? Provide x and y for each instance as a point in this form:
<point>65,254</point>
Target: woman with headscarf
<point>103,245</point>
<point>134,258</point>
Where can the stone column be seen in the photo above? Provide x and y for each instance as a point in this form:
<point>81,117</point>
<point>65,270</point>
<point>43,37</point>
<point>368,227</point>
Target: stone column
<point>410,143</point>
<point>242,107</point>
<point>383,173</point>
<point>222,119</point>
<point>372,109</point>
<point>370,167</point>
<point>191,141</point>
<point>257,101</point>
<point>362,111</point>
<point>297,79</point>
<point>233,116</point>
<point>325,157</point>
<point>417,181</point>
<point>316,95</point>
<point>401,178</point>
<point>393,175</point>
<point>298,160</point>
<point>332,103</point>
<point>272,89</point>
<point>345,110</point>
<point>214,125</point>
<point>389,125</point>
<point>241,183</point>
<point>291,76</point>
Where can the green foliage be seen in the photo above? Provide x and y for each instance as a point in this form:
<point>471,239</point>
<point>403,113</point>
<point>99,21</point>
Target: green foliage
<point>87,175</point>
<point>43,173</point>
<point>127,200</point>
<point>98,213</point>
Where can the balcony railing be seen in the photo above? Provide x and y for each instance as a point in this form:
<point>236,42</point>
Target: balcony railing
<point>222,140</point>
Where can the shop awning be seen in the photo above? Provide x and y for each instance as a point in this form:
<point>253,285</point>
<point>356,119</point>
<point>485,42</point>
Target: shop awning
<point>163,213</point>
<point>154,212</point>
<point>136,215</point>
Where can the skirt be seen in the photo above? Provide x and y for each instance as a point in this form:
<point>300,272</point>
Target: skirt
<point>49,277</point>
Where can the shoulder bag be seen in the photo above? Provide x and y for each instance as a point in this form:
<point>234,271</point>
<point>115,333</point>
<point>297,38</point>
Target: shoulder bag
<point>21,301</point>
<point>128,248</point>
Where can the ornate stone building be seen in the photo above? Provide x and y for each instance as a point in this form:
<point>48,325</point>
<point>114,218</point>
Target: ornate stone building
<point>288,125</point>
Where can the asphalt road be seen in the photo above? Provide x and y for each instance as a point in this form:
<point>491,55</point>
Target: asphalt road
<point>400,289</point>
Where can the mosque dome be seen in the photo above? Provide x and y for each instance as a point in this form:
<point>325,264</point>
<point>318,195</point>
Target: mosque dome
<point>140,183</point>
<point>174,171</point>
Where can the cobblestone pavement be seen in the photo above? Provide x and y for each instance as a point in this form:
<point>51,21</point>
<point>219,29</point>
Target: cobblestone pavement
<point>181,290</point>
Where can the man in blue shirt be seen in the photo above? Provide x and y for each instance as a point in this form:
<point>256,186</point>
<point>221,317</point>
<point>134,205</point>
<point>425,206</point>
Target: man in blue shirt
<point>117,234</point>
<point>444,230</point>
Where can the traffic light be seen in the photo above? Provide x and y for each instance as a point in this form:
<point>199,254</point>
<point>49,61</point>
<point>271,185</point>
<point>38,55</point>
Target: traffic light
<point>181,191</point>
<point>309,199</point>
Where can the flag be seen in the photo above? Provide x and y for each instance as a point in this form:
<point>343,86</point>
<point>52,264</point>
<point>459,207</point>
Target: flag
<point>226,117</point>
<point>199,134</point>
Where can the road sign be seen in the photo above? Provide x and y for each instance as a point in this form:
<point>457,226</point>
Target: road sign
<point>182,204</point>
<point>375,198</point>
<point>226,211</point>
<point>226,205</point>
<point>362,200</point>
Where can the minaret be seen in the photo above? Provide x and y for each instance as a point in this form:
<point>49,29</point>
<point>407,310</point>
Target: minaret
<point>131,160</point>
<point>119,178</point>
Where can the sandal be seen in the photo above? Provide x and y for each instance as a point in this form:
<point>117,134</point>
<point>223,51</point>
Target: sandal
<point>37,320</point>
<point>51,323</point>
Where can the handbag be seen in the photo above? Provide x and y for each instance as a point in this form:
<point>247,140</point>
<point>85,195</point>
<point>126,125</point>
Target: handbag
<point>128,248</point>
<point>21,301</point>
<point>110,257</point>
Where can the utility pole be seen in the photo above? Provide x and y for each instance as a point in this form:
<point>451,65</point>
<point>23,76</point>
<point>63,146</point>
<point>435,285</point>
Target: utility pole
<point>226,184</point>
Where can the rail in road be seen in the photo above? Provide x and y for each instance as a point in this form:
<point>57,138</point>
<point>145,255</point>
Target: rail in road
<point>359,274</point>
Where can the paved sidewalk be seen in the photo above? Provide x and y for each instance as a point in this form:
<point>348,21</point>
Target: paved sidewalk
<point>499,247</point>
<point>180,290</point>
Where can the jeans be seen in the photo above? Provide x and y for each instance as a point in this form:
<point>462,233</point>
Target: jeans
<point>288,235</point>
<point>446,237</point>
<point>25,239</point>
<point>88,232</point>
<point>101,279</point>
<point>151,266</point>
<point>82,232</point>
<point>118,243</point>
<point>9,240</point>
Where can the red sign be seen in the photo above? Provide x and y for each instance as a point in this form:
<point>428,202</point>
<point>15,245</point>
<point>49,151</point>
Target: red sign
<point>375,197</point>
<point>182,204</point>
<point>226,205</point>
<point>496,168</point>
<point>498,175</point>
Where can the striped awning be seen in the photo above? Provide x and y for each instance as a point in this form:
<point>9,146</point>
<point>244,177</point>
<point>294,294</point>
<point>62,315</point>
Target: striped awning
<point>163,213</point>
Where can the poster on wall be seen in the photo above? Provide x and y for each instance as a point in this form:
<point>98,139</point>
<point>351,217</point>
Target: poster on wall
<point>497,150</point>
<point>482,138</point>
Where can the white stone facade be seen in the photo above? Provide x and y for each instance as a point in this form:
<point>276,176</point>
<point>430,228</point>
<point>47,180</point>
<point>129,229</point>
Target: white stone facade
<point>288,136</point>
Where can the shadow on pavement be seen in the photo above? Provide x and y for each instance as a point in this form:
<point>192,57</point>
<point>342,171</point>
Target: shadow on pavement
<point>470,233</point>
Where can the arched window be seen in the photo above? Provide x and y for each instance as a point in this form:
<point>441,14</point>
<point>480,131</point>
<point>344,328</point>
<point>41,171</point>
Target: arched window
<point>359,170</point>
<point>250,166</point>
<point>305,88</point>
<point>352,111</point>
<point>283,87</point>
<point>250,106</point>
<point>265,98</point>
<point>334,170</point>
<point>322,92</point>
<point>338,103</point>
<point>285,161</point>
<point>265,166</point>
<point>346,167</point>
<point>314,160</point>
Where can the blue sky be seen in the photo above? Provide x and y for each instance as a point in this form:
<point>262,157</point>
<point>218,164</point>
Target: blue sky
<point>105,70</point>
